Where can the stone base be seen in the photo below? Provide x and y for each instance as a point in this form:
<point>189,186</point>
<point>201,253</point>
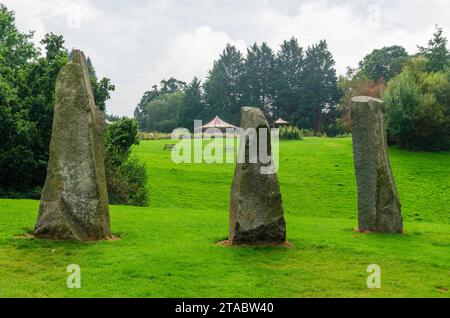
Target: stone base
<point>274,233</point>
<point>227,243</point>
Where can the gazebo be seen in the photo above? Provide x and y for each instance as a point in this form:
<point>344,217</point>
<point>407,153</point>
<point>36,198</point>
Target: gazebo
<point>280,123</point>
<point>218,124</point>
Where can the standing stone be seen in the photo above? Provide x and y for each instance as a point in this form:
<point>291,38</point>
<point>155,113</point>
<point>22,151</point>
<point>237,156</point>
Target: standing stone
<point>378,202</point>
<point>256,210</point>
<point>74,202</point>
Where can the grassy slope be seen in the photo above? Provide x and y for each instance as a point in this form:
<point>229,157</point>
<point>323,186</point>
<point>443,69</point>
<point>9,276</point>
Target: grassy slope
<point>168,249</point>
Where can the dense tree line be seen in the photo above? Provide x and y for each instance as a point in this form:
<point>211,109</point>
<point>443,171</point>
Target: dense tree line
<point>27,87</point>
<point>296,84</point>
<point>416,90</point>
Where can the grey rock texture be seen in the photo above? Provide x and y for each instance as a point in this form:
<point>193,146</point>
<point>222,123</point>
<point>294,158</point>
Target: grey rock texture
<point>378,203</point>
<point>256,210</point>
<point>74,201</point>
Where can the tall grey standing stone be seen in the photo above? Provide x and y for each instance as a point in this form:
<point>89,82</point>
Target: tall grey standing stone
<point>378,203</point>
<point>256,210</point>
<point>74,201</point>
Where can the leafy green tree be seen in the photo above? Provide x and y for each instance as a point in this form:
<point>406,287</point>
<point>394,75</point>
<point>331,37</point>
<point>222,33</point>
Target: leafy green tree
<point>417,108</point>
<point>39,96</point>
<point>320,94</point>
<point>436,52</point>
<point>355,83</point>
<point>172,85</point>
<point>402,99</point>
<point>289,79</point>
<point>193,105</point>
<point>27,88</point>
<point>169,86</point>
<point>384,64</point>
<point>223,87</point>
<point>17,154</point>
<point>162,112</point>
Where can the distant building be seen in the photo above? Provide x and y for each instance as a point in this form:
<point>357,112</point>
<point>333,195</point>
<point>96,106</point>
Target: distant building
<point>281,123</point>
<point>218,124</point>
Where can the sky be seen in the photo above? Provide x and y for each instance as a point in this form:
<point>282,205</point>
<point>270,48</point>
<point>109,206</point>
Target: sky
<point>137,43</point>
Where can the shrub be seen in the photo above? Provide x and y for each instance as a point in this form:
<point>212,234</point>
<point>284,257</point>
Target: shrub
<point>335,129</point>
<point>127,184</point>
<point>290,133</point>
<point>417,110</point>
<point>126,177</point>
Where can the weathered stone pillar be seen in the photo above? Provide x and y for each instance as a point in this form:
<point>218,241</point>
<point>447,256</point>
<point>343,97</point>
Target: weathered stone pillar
<point>74,202</point>
<point>378,203</point>
<point>256,210</point>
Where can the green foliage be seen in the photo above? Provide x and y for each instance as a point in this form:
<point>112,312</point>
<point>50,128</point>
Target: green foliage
<point>417,107</point>
<point>290,133</point>
<point>384,64</point>
<point>193,105</point>
<point>162,112</point>
<point>25,105</point>
<point>289,79</point>
<point>320,94</point>
<point>293,84</point>
<point>120,136</point>
<point>126,177</point>
<point>27,89</point>
<point>135,175</point>
<point>141,112</point>
<point>223,87</point>
<point>102,88</point>
<point>354,83</point>
<point>436,52</point>
<point>258,80</point>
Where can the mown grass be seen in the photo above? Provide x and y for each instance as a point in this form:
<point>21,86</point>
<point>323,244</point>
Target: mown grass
<point>169,249</point>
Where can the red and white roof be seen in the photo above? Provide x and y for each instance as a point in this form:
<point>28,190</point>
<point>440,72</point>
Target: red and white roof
<point>218,123</point>
<point>281,122</point>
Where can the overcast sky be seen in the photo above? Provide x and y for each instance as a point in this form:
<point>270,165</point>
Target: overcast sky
<point>137,43</point>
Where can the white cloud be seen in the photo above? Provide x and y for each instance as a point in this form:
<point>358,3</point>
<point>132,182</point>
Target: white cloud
<point>193,53</point>
<point>350,36</point>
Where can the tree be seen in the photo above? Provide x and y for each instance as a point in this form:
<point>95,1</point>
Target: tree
<point>39,95</point>
<point>384,64</point>
<point>102,88</point>
<point>27,87</point>
<point>193,105</point>
<point>355,83</point>
<point>162,112</point>
<point>169,86</point>
<point>258,78</point>
<point>17,149</point>
<point>417,108</point>
<point>289,79</point>
<point>320,94</point>
<point>223,87</point>
<point>172,85</point>
<point>436,52</point>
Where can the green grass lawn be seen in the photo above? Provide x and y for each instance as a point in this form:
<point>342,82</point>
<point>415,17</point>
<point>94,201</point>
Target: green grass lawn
<point>169,249</point>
